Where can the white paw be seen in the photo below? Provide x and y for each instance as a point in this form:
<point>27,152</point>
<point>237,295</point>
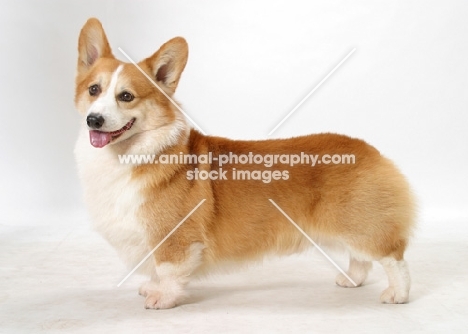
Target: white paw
<point>391,296</point>
<point>146,287</point>
<point>157,300</point>
<point>344,282</point>
<point>161,296</point>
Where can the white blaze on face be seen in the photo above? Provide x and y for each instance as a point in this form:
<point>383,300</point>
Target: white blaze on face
<point>107,100</point>
<point>107,107</point>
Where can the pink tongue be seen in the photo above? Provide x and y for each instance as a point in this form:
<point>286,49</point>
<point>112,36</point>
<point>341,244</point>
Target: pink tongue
<point>99,138</point>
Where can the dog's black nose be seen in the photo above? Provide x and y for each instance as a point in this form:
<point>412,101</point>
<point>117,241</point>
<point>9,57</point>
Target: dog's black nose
<point>95,121</point>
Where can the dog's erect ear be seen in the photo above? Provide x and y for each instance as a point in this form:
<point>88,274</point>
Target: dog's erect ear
<point>92,45</point>
<point>167,64</point>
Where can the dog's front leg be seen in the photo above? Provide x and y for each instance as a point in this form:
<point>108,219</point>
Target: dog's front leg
<point>166,288</point>
<point>152,284</point>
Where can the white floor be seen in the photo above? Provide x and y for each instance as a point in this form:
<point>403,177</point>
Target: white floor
<point>64,280</point>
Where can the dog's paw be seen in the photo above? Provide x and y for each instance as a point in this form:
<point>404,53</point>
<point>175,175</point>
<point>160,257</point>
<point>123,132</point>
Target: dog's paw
<point>391,296</point>
<point>157,300</point>
<point>344,282</point>
<point>146,287</point>
<point>160,296</point>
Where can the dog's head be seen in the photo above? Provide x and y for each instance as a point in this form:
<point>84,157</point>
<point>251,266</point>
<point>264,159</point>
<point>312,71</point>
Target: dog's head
<point>120,103</point>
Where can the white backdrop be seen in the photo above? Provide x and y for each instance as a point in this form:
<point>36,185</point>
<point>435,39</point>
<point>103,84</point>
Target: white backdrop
<point>404,90</point>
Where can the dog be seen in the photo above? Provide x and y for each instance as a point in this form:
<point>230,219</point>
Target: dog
<point>365,207</point>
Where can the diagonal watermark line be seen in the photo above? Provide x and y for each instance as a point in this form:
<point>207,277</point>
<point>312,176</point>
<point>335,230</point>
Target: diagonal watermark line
<point>313,242</point>
<point>311,92</point>
<point>161,90</point>
<point>161,242</point>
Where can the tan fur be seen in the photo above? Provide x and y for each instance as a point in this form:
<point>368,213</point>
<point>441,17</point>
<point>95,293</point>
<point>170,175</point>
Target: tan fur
<point>366,207</point>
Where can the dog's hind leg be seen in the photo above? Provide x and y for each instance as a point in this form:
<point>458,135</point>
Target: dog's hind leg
<point>398,279</point>
<point>357,270</point>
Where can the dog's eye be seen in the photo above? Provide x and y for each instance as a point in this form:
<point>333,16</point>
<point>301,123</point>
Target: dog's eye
<point>126,97</point>
<point>94,90</point>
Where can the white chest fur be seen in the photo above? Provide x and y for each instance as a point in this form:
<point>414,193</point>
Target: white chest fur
<point>112,198</point>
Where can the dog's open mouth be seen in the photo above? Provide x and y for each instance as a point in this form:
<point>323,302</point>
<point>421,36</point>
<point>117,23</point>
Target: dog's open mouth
<point>101,138</point>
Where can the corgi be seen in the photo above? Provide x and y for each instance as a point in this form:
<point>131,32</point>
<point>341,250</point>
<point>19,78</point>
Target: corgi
<point>365,207</point>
